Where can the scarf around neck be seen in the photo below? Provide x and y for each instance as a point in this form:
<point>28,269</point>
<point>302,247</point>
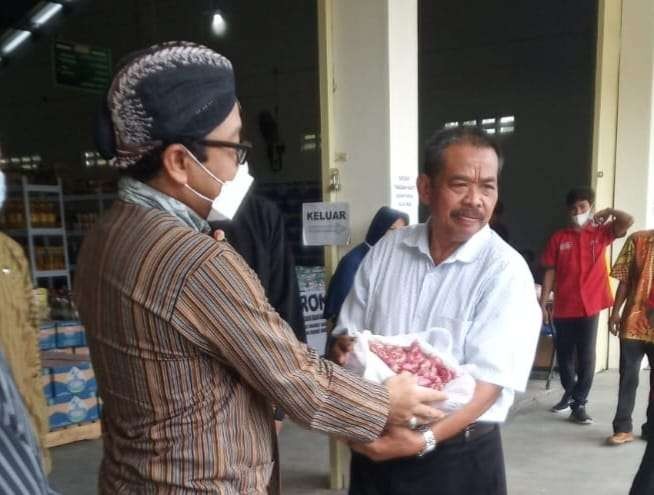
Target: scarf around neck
<point>136,192</point>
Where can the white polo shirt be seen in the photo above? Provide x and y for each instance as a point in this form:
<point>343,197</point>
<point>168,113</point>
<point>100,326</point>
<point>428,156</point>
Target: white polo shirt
<point>483,294</point>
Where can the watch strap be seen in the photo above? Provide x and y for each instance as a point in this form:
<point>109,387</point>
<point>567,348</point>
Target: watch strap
<point>430,441</point>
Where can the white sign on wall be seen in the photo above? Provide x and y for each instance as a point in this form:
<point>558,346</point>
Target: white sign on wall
<point>325,224</point>
<point>404,196</point>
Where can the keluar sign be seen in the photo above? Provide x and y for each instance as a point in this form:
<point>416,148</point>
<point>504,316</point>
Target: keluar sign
<point>326,224</point>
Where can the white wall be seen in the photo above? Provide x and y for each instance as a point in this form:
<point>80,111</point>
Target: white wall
<point>403,104</point>
<point>375,95</point>
<point>633,175</point>
<point>634,158</point>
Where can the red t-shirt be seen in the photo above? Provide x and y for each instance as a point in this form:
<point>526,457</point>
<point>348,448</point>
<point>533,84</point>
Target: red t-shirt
<point>582,277</point>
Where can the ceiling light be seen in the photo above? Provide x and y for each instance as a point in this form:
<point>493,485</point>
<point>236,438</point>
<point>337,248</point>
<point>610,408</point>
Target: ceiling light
<point>14,40</point>
<point>45,13</point>
<point>218,24</point>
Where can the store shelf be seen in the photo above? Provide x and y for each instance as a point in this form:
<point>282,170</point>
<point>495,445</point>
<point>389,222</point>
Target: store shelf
<point>43,189</point>
<point>49,232</point>
<point>50,273</point>
<point>16,233</point>
<point>89,197</point>
<point>36,232</point>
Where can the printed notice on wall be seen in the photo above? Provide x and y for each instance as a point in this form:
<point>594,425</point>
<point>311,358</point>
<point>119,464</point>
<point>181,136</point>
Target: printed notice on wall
<point>325,224</point>
<point>311,282</point>
<point>405,196</point>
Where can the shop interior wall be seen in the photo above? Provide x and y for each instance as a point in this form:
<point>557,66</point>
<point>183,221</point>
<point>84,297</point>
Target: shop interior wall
<point>273,46</point>
<point>528,59</point>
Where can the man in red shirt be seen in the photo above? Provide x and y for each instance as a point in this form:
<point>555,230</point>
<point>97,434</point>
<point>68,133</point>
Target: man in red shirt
<point>576,269</point>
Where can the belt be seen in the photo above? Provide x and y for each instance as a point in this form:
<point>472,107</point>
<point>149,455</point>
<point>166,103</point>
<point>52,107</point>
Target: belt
<point>471,433</point>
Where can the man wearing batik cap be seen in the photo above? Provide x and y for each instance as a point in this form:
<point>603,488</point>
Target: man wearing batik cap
<point>188,353</point>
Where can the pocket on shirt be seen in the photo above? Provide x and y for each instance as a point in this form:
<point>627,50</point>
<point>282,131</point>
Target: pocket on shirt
<point>458,329</point>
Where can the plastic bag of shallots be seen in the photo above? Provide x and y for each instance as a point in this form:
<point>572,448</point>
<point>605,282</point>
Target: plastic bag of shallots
<point>427,355</point>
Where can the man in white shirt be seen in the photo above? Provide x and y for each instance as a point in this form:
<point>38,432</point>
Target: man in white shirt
<point>453,272</point>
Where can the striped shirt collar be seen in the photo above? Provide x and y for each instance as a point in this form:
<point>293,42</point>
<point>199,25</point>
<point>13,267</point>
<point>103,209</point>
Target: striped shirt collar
<point>418,238</point>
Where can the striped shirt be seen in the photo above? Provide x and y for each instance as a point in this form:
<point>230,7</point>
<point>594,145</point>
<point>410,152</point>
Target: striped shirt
<point>21,470</point>
<point>189,356</point>
<point>483,294</point>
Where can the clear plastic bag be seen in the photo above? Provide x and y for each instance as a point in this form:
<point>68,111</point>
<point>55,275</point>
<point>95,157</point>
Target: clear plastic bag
<point>435,342</point>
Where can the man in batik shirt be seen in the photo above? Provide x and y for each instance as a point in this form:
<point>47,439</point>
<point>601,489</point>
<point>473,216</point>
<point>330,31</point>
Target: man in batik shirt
<point>634,269</point>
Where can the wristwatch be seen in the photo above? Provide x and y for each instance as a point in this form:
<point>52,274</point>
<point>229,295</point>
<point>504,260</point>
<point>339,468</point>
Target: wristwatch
<point>430,441</point>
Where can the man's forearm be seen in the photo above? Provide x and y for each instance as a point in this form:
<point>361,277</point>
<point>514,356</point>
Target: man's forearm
<point>620,298</point>
<point>484,397</point>
<point>622,222</point>
<point>548,285</point>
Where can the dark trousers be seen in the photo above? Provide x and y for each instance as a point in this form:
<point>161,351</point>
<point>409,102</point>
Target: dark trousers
<point>631,357</point>
<point>575,351</point>
<point>463,467</point>
<point>644,480</point>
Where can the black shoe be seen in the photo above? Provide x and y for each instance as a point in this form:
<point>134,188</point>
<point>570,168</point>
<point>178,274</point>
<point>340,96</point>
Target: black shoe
<point>580,416</point>
<point>644,431</point>
<point>563,406</point>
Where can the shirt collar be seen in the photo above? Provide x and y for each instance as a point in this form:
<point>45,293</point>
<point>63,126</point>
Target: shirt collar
<point>466,253</point>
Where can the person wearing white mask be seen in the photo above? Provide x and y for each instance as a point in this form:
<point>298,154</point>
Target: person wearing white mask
<point>576,270</point>
<point>188,353</point>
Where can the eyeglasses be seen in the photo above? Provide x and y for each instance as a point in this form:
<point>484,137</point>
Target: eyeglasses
<point>242,148</point>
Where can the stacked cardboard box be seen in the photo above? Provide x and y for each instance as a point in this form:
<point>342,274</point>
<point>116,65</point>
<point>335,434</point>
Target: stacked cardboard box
<point>61,335</point>
<point>47,336</point>
<point>69,383</point>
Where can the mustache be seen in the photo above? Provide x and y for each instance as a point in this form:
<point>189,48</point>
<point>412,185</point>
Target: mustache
<point>467,212</point>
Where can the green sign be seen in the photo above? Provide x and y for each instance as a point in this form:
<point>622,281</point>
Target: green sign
<point>82,66</point>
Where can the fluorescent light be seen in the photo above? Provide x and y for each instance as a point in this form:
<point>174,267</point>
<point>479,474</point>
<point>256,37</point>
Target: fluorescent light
<point>490,131</point>
<point>470,123</point>
<point>506,130</point>
<point>507,120</point>
<point>449,125</point>
<point>45,13</point>
<point>218,24</point>
<point>14,40</point>
<point>487,121</point>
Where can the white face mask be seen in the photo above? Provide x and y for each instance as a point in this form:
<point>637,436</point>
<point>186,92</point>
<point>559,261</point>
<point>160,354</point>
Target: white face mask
<point>226,204</point>
<point>581,219</point>
<point>3,189</point>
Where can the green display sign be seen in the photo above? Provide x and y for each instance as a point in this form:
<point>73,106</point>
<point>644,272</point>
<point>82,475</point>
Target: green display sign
<point>82,66</point>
